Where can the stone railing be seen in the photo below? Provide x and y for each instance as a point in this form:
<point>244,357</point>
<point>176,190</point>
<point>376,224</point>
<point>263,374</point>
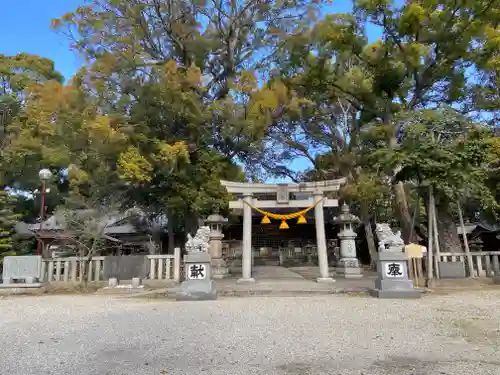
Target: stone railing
<point>162,267</point>
<point>68,269</point>
<point>165,267</point>
<point>484,263</point>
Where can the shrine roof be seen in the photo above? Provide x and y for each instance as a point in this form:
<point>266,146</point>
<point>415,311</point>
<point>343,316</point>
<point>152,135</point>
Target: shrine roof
<point>115,224</point>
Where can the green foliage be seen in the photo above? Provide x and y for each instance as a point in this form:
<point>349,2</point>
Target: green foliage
<point>60,128</point>
<point>444,150</point>
<point>175,95</point>
<point>424,59</point>
<point>183,77</point>
<point>8,219</point>
<point>23,70</point>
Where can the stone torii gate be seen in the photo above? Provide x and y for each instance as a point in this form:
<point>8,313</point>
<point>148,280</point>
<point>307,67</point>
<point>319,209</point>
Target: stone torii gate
<point>316,191</point>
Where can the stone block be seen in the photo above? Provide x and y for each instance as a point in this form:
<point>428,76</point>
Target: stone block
<point>196,290</point>
<point>251,280</point>
<point>393,284</point>
<point>126,267</point>
<point>325,280</point>
<point>136,282</point>
<point>451,270</point>
<point>21,268</point>
<point>112,282</point>
<point>219,269</point>
<point>197,266</point>
<point>198,285</point>
<point>395,293</point>
<point>392,281</point>
<point>348,269</point>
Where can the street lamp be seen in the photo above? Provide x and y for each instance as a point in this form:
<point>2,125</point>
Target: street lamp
<point>44,176</point>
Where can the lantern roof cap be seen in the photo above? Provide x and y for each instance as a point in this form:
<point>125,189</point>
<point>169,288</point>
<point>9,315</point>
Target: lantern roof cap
<point>346,216</point>
<point>216,218</point>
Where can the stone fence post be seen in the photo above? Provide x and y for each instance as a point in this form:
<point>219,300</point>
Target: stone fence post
<point>177,264</point>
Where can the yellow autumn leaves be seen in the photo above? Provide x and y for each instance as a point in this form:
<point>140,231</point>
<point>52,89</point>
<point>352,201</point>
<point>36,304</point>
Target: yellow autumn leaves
<point>134,167</point>
<point>62,127</point>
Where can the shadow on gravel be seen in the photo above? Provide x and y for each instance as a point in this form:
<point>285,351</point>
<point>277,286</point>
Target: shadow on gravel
<point>415,366</point>
<point>396,366</point>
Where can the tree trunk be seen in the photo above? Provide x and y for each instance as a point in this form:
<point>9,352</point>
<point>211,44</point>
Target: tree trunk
<point>46,253</point>
<point>170,231</point>
<point>370,240</point>
<point>449,240</point>
<point>151,247</point>
<point>83,270</point>
<point>403,213</point>
<point>191,223</point>
<point>86,272</point>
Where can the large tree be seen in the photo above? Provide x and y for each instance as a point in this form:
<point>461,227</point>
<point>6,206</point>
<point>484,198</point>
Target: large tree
<point>8,219</point>
<point>445,153</point>
<point>429,54</point>
<point>188,78</point>
<point>60,128</point>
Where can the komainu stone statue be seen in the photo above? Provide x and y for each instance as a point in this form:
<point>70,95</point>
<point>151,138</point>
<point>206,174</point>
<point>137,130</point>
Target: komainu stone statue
<point>387,239</point>
<point>200,241</point>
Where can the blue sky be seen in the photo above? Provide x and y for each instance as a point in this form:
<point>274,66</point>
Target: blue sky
<point>25,27</point>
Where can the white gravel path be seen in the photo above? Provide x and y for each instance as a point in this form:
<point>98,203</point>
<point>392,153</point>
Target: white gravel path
<point>101,335</point>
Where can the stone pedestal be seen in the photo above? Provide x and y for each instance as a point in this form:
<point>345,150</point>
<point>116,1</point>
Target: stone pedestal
<point>136,282</point>
<point>219,269</point>
<point>348,264</point>
<point>392,281</point>
<point>112,282</point>
<point>219,266</point>
<point>198,285</point>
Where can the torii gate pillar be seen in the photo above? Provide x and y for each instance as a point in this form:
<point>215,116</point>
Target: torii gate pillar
<point>319,219</point>
<point>246,261</point>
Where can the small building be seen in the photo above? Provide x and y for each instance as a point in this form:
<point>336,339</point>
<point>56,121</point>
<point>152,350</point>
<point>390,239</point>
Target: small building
<point>481,236</point>
<point>121,234</point>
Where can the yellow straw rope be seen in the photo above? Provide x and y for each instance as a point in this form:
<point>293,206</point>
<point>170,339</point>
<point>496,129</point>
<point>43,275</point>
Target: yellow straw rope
<point>283,217</point>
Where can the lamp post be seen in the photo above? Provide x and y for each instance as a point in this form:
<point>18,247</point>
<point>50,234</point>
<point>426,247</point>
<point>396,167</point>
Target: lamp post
<point>348,265</point>
<point>44,176</point>
<point>219,266</point>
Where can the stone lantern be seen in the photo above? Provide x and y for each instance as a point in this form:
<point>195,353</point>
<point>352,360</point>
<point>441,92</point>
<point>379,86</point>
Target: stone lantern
<point>216,222</point>
<point>348,265</point>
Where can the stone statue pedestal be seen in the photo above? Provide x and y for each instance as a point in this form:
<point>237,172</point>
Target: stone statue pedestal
<point>392,281</point>
<point>198,285</point>
<point>348,265</point>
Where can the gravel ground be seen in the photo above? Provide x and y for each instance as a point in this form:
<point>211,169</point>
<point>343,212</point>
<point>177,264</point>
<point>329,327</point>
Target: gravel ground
<point>100,335</point>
